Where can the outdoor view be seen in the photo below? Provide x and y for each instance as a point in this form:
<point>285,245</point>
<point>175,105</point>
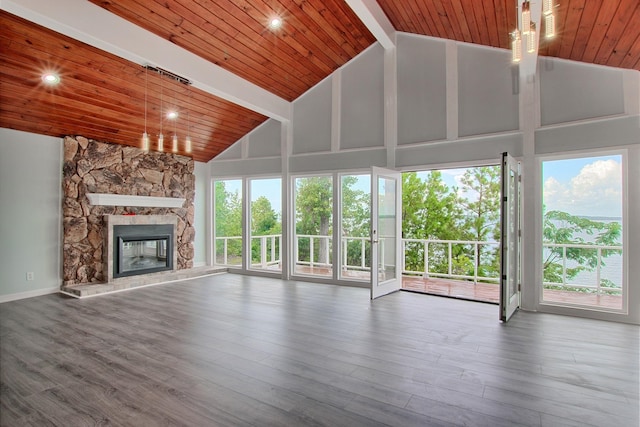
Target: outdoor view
<point>451,229</point>
<point>582,231</point>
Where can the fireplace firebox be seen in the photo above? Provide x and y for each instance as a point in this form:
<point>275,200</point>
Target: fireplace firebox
<point>142,249</point>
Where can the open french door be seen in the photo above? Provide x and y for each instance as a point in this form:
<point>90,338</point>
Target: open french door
<point>510,238</point>
<point>386,231</point>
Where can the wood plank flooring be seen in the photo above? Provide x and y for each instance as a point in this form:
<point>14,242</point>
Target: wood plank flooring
<point>233,350</point>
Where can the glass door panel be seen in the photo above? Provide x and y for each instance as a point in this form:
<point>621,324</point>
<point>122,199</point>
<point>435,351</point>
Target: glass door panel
<point>355,222</point>
<point>228,222</point>
<point>312,240</point>
<point>386,202</point>
<point>509,238</point>
<point>266,224</point>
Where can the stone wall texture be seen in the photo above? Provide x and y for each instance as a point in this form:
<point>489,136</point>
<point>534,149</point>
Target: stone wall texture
<point>99,167</point>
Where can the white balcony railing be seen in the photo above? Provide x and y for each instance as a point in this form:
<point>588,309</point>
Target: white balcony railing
<point>449,245</point>
<point>228,252</point>
<point>597,286</point>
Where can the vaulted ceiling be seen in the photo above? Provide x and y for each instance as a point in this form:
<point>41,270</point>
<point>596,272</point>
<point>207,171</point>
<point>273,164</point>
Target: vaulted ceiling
<point>243,71</point>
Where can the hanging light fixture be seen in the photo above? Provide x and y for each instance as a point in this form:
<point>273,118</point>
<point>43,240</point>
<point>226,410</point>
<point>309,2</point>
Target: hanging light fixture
<point>549,18</point>
<point>187,142</point>
<point>526,30</point>
<point>174,147</point>
<point>531,38</point>
<point>161,136</point>
<point>516,46</point>
<point>171,115</point>
<point>145,135</point>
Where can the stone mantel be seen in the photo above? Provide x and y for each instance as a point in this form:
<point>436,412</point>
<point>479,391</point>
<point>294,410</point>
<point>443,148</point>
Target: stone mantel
<point>102,199</point>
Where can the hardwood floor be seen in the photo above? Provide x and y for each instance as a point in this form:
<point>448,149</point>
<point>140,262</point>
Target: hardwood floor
<point>233,350</point>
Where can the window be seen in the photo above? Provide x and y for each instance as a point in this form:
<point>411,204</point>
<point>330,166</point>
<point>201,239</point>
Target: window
<point>228,222</point>
<point>355,223</point>
<point>266,223</point>
<point>582,245</point>
<point>313,198</point>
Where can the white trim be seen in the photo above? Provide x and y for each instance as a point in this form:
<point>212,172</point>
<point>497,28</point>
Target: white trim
<point>372,15</point>
<point>103,199</point>
<point>626,313</point>
<point>451,81</point>
<point>28,294</point>
<point>336,112</point>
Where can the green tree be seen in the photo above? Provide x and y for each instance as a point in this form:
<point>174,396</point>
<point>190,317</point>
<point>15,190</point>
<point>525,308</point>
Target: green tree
<point>314,207</point>
<point>356,213</point>
<point>356,219</point>
<point>482,217</point>
<point>560,227</point>
<point>264,220</point>
<point>482,211</point>
<point>228,220</point>
<point>228,211</point>
<point>430,210</point>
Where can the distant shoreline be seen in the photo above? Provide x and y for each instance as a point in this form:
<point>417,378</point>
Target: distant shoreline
<point>601,218</point>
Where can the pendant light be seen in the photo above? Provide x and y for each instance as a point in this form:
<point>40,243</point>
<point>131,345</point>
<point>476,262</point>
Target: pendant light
<point>531,38</point>
<point>145,135</point>
<point>549,18</point>
<point>161,136</point>
<point>171,115</point>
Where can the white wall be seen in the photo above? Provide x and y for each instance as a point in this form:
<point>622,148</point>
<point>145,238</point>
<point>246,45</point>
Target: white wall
<point>30,217</point>
<point>201,172</point>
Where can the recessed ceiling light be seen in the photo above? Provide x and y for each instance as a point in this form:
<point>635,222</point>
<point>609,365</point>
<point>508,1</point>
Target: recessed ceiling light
<point>275,23</point>
<point>51,78</point>
<point>172,115</point>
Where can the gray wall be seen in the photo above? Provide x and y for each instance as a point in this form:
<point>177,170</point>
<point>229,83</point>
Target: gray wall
<point>30,217</point>
<point>422,92</point>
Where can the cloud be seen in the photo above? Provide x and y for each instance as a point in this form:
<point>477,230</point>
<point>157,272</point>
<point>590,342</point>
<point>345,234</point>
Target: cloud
<point>595,191</point>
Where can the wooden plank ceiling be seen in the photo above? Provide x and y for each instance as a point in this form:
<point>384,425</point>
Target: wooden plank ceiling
<point>102,96</point>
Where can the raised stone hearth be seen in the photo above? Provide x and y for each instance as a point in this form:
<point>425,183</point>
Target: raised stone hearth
<point>93,289</point>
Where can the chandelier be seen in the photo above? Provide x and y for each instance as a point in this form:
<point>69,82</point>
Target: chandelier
<point>171,115</point>
<point>525,37</point>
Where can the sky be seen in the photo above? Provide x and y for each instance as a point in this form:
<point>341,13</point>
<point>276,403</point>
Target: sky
<point>589,186</point>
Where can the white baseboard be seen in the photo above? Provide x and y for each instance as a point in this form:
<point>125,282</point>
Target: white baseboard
<point>28,294</point>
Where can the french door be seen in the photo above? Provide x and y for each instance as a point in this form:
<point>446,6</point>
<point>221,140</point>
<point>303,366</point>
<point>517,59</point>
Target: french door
<point>386,231</point>
<point>510,238</point>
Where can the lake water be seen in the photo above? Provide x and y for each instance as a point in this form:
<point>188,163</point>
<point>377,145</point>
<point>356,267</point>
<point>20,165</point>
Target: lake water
<point>611,270</point>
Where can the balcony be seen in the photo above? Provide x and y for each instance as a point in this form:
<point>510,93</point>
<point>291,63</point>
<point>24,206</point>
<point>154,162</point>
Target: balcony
<point>455,268</point>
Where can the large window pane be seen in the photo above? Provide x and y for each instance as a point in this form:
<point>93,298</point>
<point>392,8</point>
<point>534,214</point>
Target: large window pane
<point>356,226</point>
<point>582,232</point>
<point>228,222</point>
<point>266,223</point>
<point>314,226</point>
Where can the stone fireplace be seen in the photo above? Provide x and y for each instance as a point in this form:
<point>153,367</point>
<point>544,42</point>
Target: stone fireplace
<point>106,183</point>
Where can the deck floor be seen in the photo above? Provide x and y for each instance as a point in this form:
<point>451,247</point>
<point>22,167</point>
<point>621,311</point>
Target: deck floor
<point>487,292</point>
<point>484,292</point>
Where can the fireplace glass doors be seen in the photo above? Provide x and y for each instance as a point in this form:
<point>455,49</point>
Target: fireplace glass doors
<point>142,249</point>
